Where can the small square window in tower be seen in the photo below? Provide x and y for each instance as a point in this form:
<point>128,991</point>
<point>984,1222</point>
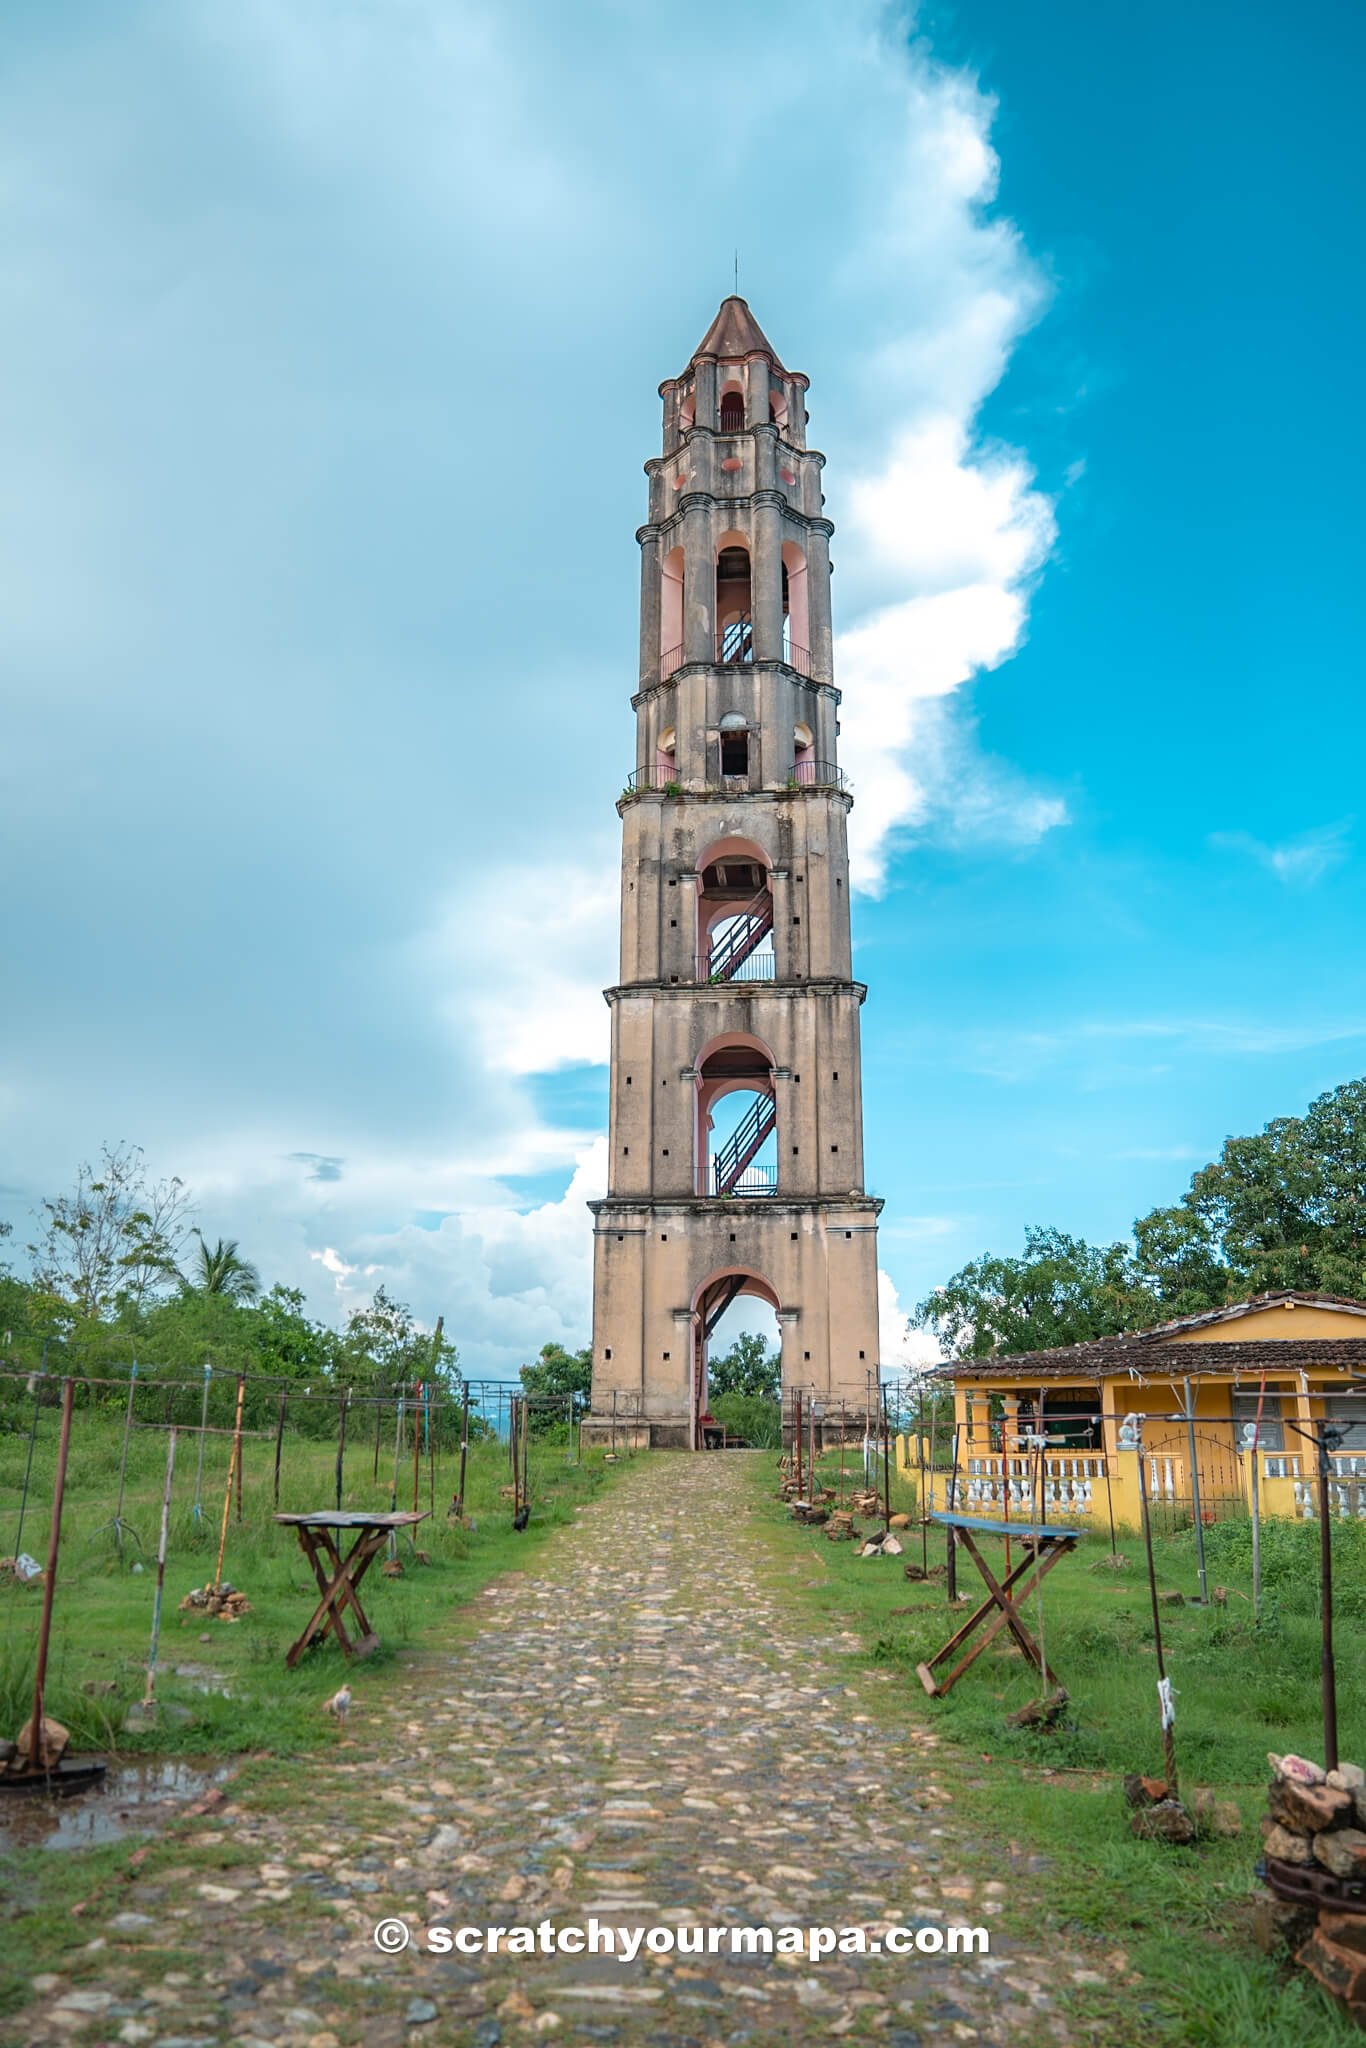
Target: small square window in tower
<point>734,744</point>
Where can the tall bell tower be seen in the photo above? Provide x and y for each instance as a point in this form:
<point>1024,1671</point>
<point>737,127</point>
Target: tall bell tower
<point>736,1139</point>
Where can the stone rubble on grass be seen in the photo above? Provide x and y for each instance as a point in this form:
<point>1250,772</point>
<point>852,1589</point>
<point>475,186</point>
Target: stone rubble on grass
<point>1315,1862</point>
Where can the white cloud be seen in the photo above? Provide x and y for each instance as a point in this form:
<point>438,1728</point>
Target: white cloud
<point>949,531</point>
<point>524,955</point>
<point>309,312</point>
<point>903,1348</point>
<point>1297,862</point>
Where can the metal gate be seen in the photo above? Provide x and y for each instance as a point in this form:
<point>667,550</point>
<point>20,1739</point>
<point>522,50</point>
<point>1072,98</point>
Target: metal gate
<point>1218,1487</point>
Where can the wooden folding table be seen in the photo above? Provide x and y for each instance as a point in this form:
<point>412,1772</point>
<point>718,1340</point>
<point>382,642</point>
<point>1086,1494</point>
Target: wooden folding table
<point>339,1577</point>
<point>1044,1544</point>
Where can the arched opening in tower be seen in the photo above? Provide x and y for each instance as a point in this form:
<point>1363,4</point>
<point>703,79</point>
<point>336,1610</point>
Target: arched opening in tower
<point>737,1119</point>
<point>734,618</point>
<point>737,1361</point>
<point>735,915</point>
<point>732,410</point>
<point>671,613</point>
<point>796,613</point>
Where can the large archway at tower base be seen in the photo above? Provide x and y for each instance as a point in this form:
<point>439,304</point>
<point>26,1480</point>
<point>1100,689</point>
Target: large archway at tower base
<point>729,1304</point>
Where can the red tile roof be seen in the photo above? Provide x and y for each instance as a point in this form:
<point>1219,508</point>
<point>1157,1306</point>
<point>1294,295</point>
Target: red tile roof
<point>1146,1352</point>
<point>735,332</point>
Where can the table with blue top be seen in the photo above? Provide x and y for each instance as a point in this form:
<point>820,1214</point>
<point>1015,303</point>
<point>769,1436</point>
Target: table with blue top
<point>1044,1543</point>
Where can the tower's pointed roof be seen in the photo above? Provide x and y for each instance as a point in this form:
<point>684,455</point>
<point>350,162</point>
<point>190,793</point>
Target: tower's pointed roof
<point>735,332</point>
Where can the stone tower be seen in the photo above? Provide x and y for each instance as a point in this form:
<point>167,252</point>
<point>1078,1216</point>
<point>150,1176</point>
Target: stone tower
<point>736,1140</point>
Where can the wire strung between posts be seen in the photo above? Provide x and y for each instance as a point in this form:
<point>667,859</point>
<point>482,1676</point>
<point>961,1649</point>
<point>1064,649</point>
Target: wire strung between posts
<point>118,1523</point>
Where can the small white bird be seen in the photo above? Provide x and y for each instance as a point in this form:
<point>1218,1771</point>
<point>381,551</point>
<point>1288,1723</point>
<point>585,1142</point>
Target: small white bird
<point>340,1702</point>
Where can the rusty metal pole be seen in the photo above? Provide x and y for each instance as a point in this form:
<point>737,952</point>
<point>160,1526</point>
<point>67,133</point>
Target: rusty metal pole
<point>1163,1690</point>
<point>36,1751</point>
<point>797,1435</point>
<point>464,1443</point>
<point>238,1460</point>
<point>279,1441</point>
<point>393,1490</point>
<point>1327,1662</point>
<point>341,1445</point>
<point>1197,1511</point>
<point>886,1464</point>
<point>924,1503</point>
<point>951,1558</point>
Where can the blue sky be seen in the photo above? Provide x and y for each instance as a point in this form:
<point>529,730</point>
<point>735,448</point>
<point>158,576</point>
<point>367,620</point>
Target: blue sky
<point>328,354</point>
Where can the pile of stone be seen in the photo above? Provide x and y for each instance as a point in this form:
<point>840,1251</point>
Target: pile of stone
<point>1160,1816</point>
<point>810,1511</point>
<point>867,1502</point>
<point>1314,1866</point>
<point>221,1603</point>
<point>842,1528</point>
<point>42,1750</point>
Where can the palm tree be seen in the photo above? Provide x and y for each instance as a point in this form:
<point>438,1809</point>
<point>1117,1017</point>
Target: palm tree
<point>222,1271</point>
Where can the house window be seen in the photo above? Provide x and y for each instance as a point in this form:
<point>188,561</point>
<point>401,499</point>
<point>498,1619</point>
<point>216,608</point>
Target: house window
<point>1348,1411</point>
<point>1271,1435</point>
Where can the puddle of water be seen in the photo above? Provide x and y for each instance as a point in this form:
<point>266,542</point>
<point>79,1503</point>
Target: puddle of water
<point>203,1679</point>
<point>133,1798</point>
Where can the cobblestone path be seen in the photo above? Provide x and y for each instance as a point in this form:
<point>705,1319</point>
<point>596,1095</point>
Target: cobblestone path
<point>645,1727</point>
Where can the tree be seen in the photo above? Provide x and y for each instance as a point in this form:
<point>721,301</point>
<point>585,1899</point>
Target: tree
<point>1287,1208</point>
<point>749,1367</point>
<point>115,1238</point>
<point>566,1376</point>
<point>385,1347</point>
<point>291,1343</point>
<point>1179,1259</point>
<point>222,1271</point>
<point>1061,1291</point>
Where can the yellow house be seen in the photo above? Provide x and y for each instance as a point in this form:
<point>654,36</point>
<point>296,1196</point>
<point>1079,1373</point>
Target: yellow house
<point>1220,1406</point>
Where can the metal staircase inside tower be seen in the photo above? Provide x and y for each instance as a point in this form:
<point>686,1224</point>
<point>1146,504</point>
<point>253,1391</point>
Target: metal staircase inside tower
<point>732,1171</point>
<point>750,927</point>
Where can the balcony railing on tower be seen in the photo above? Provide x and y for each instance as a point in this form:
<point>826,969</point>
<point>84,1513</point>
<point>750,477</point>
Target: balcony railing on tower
<point>808,774</point>
<point>735,643</point>
<point>732,1170</point>
<point>665,778</point>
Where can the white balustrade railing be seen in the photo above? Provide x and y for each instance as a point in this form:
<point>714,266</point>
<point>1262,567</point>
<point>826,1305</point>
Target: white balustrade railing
<point>1014,1485</point>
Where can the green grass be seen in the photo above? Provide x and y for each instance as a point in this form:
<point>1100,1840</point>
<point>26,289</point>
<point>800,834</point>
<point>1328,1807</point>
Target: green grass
<point>238,1696</point>
<point>1180,1916</point>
